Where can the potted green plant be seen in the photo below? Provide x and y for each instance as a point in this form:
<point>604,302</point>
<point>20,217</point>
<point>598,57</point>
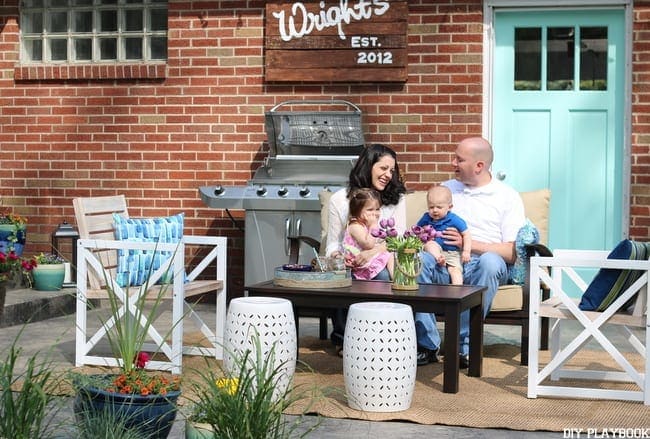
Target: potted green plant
<point>49,272</point>
<point>245,403</point>
<point>13,231</point>
<point>139,399</point>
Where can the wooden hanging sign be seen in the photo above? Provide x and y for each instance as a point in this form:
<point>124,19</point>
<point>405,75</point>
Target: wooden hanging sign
<point>340,41</point>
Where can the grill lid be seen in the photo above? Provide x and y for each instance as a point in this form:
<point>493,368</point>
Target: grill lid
<point>314,132</point>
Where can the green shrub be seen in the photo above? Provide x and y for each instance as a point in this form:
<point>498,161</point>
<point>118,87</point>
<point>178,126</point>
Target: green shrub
<point>246,403</point>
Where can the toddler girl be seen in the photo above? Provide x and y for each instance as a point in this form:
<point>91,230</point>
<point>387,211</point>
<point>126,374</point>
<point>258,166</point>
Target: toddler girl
<point>364,214</point>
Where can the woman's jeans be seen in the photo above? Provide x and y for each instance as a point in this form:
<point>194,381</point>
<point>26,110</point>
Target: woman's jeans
<point>488,269</point>
<point>340,315</point>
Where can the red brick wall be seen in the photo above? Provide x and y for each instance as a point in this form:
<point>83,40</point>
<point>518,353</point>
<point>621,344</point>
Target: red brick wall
<point>157,134</point>
<point>640,160</point>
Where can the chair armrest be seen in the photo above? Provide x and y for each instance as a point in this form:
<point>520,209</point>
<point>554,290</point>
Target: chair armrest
<point>534,250</point>
<point>537,250</point>
<point>294,246</point>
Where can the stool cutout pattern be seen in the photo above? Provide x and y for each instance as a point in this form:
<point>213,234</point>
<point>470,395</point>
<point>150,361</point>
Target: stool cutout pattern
<point>273,321</point>
<point>379,356</point>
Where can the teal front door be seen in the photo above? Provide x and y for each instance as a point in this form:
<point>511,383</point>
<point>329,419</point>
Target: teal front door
<point>558,107</point>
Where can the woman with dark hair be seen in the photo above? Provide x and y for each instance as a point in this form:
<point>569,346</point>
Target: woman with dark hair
<point>376,168</point>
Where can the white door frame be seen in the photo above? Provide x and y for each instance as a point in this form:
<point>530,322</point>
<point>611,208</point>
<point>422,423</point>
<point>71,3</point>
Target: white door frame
<point>489,7</point>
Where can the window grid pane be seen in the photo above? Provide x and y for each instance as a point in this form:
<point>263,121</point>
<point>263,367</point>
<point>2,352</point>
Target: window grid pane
<point>83,49</point>
<point>593,58</point>
<point>82,22</point>
<point>93,30</point>
<point>560,52</point>
<point>528,58</point>
<point>58,50</point>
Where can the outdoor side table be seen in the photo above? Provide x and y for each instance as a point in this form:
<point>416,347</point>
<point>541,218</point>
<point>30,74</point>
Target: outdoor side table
<point>272,320</point>
<point>379,356</point>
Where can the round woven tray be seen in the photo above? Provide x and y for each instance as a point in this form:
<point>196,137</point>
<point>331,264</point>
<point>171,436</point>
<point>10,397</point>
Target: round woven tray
<point>312,279</point>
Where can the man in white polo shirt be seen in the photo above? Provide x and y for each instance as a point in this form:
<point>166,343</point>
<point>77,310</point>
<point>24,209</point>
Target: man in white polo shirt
<point>494,214</point>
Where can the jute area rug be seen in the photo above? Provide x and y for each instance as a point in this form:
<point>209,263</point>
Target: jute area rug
<point>495,400</point>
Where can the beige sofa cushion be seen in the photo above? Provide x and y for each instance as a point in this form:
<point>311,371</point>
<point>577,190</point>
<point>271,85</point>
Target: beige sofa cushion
<point>536,206</point>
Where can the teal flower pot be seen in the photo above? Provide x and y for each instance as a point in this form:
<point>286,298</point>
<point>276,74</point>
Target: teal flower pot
<point>48,277</point>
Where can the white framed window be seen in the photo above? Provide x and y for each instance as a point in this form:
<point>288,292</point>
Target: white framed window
<point>92,31</point>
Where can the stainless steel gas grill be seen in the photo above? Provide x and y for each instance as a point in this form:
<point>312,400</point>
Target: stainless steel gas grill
<point>310,151</point>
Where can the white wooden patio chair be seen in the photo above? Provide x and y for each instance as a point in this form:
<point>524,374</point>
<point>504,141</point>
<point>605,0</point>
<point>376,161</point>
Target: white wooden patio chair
<point>96,270</point>
<point>632,321</point>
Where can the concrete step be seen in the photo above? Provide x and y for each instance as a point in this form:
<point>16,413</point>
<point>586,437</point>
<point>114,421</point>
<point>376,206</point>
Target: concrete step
<point>27,305</point>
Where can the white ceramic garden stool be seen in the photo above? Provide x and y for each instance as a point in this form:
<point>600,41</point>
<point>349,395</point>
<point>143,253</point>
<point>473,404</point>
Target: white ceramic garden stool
<point>379,356</point>
<point>273,320</point>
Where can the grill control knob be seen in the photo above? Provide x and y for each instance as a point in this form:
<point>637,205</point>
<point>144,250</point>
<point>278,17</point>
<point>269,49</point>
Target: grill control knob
<point>304,192</point>
<point>261,191</point>
<point>283,191</point>
<point>219,190</point>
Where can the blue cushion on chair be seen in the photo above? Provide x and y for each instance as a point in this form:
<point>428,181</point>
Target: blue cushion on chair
<point>528,234</point>
<point>133,266</point>
<point>609,283</point>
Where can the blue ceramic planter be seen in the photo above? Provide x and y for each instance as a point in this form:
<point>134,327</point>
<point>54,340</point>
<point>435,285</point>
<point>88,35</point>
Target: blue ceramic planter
<point>7,230</point>
<point>152,415</point>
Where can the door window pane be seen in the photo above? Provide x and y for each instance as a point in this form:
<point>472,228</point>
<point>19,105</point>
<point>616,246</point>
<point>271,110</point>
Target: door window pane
<point>528,58</point>
<point>593,58</point>
<point>560,58</point>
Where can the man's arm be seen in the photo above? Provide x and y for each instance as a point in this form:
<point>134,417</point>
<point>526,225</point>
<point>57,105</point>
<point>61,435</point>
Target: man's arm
<point>504,249</point>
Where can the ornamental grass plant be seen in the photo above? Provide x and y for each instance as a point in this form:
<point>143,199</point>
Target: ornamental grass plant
<point>245,404</point>
<point>27,402</point>
<point>105,425</point>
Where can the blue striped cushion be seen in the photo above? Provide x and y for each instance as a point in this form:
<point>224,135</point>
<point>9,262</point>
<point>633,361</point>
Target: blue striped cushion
<point>609,283</point>
<point>133,266</point>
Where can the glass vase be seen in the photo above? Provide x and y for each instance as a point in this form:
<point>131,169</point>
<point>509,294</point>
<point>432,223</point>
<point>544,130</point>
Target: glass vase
<point>407,268</point>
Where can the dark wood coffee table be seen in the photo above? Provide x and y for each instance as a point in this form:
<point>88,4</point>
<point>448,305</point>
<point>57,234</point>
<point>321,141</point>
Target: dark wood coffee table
<point>449,300</point>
